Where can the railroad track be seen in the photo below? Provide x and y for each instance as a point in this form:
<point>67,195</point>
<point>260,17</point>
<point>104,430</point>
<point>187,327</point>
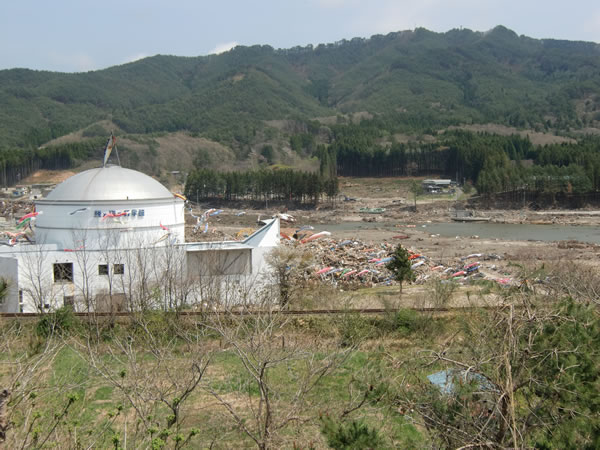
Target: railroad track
<point>303,312</point>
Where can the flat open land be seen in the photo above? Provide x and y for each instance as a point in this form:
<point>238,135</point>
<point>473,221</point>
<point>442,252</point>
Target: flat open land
<point>160,380</point>
<point>508,258</point>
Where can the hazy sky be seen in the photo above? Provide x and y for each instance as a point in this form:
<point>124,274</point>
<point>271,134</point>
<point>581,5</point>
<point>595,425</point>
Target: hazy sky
<point>82,35</point>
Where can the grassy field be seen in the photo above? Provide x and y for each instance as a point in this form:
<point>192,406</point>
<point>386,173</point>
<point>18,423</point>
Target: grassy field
<point>269,380</point>
<point>117,389</point>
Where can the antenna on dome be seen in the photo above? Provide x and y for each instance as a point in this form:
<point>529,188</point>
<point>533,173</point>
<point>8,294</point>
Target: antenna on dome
<point>110,144</point>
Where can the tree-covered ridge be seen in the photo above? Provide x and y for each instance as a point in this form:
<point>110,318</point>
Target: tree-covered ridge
<point>492,162</point>
<point>411,81</point>
<point>284,185</point>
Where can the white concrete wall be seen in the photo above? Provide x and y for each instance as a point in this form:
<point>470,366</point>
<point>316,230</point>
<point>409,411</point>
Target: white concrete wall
<point>155,276</point>
<point>144,273</point>
<point>9,270</point>
<point>263,241</point>
<point>56,225</point>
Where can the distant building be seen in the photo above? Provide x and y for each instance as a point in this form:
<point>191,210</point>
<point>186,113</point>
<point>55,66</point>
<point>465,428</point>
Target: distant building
<point>111,238</point>
<point>436,186</point>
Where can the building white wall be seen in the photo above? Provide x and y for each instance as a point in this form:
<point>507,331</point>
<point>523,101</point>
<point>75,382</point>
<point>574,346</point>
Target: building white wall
<point>9,270</point>
<point>59,223</point>
<point>154,276</point>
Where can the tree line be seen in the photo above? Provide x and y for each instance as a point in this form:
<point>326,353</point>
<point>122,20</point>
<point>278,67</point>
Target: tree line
<point>261,185</point>
<point>493,163</point>
<point>18,164</point>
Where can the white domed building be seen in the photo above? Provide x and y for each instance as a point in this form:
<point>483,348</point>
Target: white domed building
<point>113,239</point>
<point>121,205</point>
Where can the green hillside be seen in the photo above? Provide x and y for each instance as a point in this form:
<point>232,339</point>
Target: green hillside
<point>409,82</point>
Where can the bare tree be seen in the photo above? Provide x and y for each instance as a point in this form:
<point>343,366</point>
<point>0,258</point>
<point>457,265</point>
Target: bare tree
<point>145,365</point>
<point>24,372</point>
<point>517,377</point>
<point>169,265</point>
<point>84,260</point>
<point>38,278</point>
<point>257,338</point>
<point>287,265</point>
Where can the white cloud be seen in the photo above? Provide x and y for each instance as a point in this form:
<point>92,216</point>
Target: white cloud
<point>592,26</point>
<point>76,62</point>
<point>222,48</point>
<point>84,62</point>
<point>135,57</point>
<point>436,15</point>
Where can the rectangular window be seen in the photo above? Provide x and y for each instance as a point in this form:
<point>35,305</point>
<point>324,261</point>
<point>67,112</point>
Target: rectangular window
<point>141,213</point>
<point>63,272</point>
<point>119,269</point>
<point>102,269</point>
<point>4,288</point>
<point>68,301</point>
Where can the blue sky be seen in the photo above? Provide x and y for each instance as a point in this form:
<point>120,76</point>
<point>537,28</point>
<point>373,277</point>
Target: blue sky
<point>82,35</point>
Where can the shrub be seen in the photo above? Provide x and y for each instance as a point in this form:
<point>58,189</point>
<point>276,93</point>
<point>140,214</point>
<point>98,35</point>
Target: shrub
<point>61,322</point>
<point>353,329</point>
<point>353,435</point>
<point>407,321</point>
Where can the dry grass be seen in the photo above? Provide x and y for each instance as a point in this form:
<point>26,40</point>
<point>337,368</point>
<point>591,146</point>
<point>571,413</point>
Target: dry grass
<point>47,176</point>
<point>536,138</point>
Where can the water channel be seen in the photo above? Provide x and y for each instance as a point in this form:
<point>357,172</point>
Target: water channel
<point>516,232</point>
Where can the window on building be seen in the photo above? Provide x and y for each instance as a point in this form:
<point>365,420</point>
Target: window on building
<point>4,289</point>
<point>102,269</point>
<point>68,301</point>
<point>63,272</point>
<point>119,269</point>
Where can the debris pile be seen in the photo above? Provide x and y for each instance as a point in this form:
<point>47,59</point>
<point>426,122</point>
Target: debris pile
<point>352,262</point>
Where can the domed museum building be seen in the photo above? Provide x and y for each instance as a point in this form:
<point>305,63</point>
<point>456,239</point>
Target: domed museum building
<point>113,239</point>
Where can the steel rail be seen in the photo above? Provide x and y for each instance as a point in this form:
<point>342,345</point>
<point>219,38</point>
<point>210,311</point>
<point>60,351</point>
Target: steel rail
<point>303,312</point>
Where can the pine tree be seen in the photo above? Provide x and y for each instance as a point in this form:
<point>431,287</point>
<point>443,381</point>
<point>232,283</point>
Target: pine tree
<point>400,266</point>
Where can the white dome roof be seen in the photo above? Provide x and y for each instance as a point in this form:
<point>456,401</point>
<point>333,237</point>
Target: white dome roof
<point>109,183</point>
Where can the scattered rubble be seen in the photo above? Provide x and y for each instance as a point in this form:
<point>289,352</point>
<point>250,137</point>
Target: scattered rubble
<point>355,263</point>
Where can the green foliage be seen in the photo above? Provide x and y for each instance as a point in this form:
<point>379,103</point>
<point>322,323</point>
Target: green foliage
<point>353,435</point>
<point>407,321</point>
<point>568,380</point>
<point>267,153</point>
<point>409,82</point>
<point>545,359</point>
<point>303,143</point>
<point>264,184</point>
<point>61,322</point>
<point>17,164</point>
<point>400,266</point>
<point>353,329</point>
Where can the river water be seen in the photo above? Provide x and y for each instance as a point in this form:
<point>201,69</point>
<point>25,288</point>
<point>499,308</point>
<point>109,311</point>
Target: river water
<point>515,232</point>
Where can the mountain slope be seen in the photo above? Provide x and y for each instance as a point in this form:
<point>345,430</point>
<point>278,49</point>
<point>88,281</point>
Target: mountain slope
<point>414,79</point>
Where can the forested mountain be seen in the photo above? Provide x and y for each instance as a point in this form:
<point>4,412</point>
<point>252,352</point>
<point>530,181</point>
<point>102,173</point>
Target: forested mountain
<point>418,79</point>
<point>416,82</point>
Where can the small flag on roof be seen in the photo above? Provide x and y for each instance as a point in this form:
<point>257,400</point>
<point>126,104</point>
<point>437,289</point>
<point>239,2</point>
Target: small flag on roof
<point>110,144</point>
